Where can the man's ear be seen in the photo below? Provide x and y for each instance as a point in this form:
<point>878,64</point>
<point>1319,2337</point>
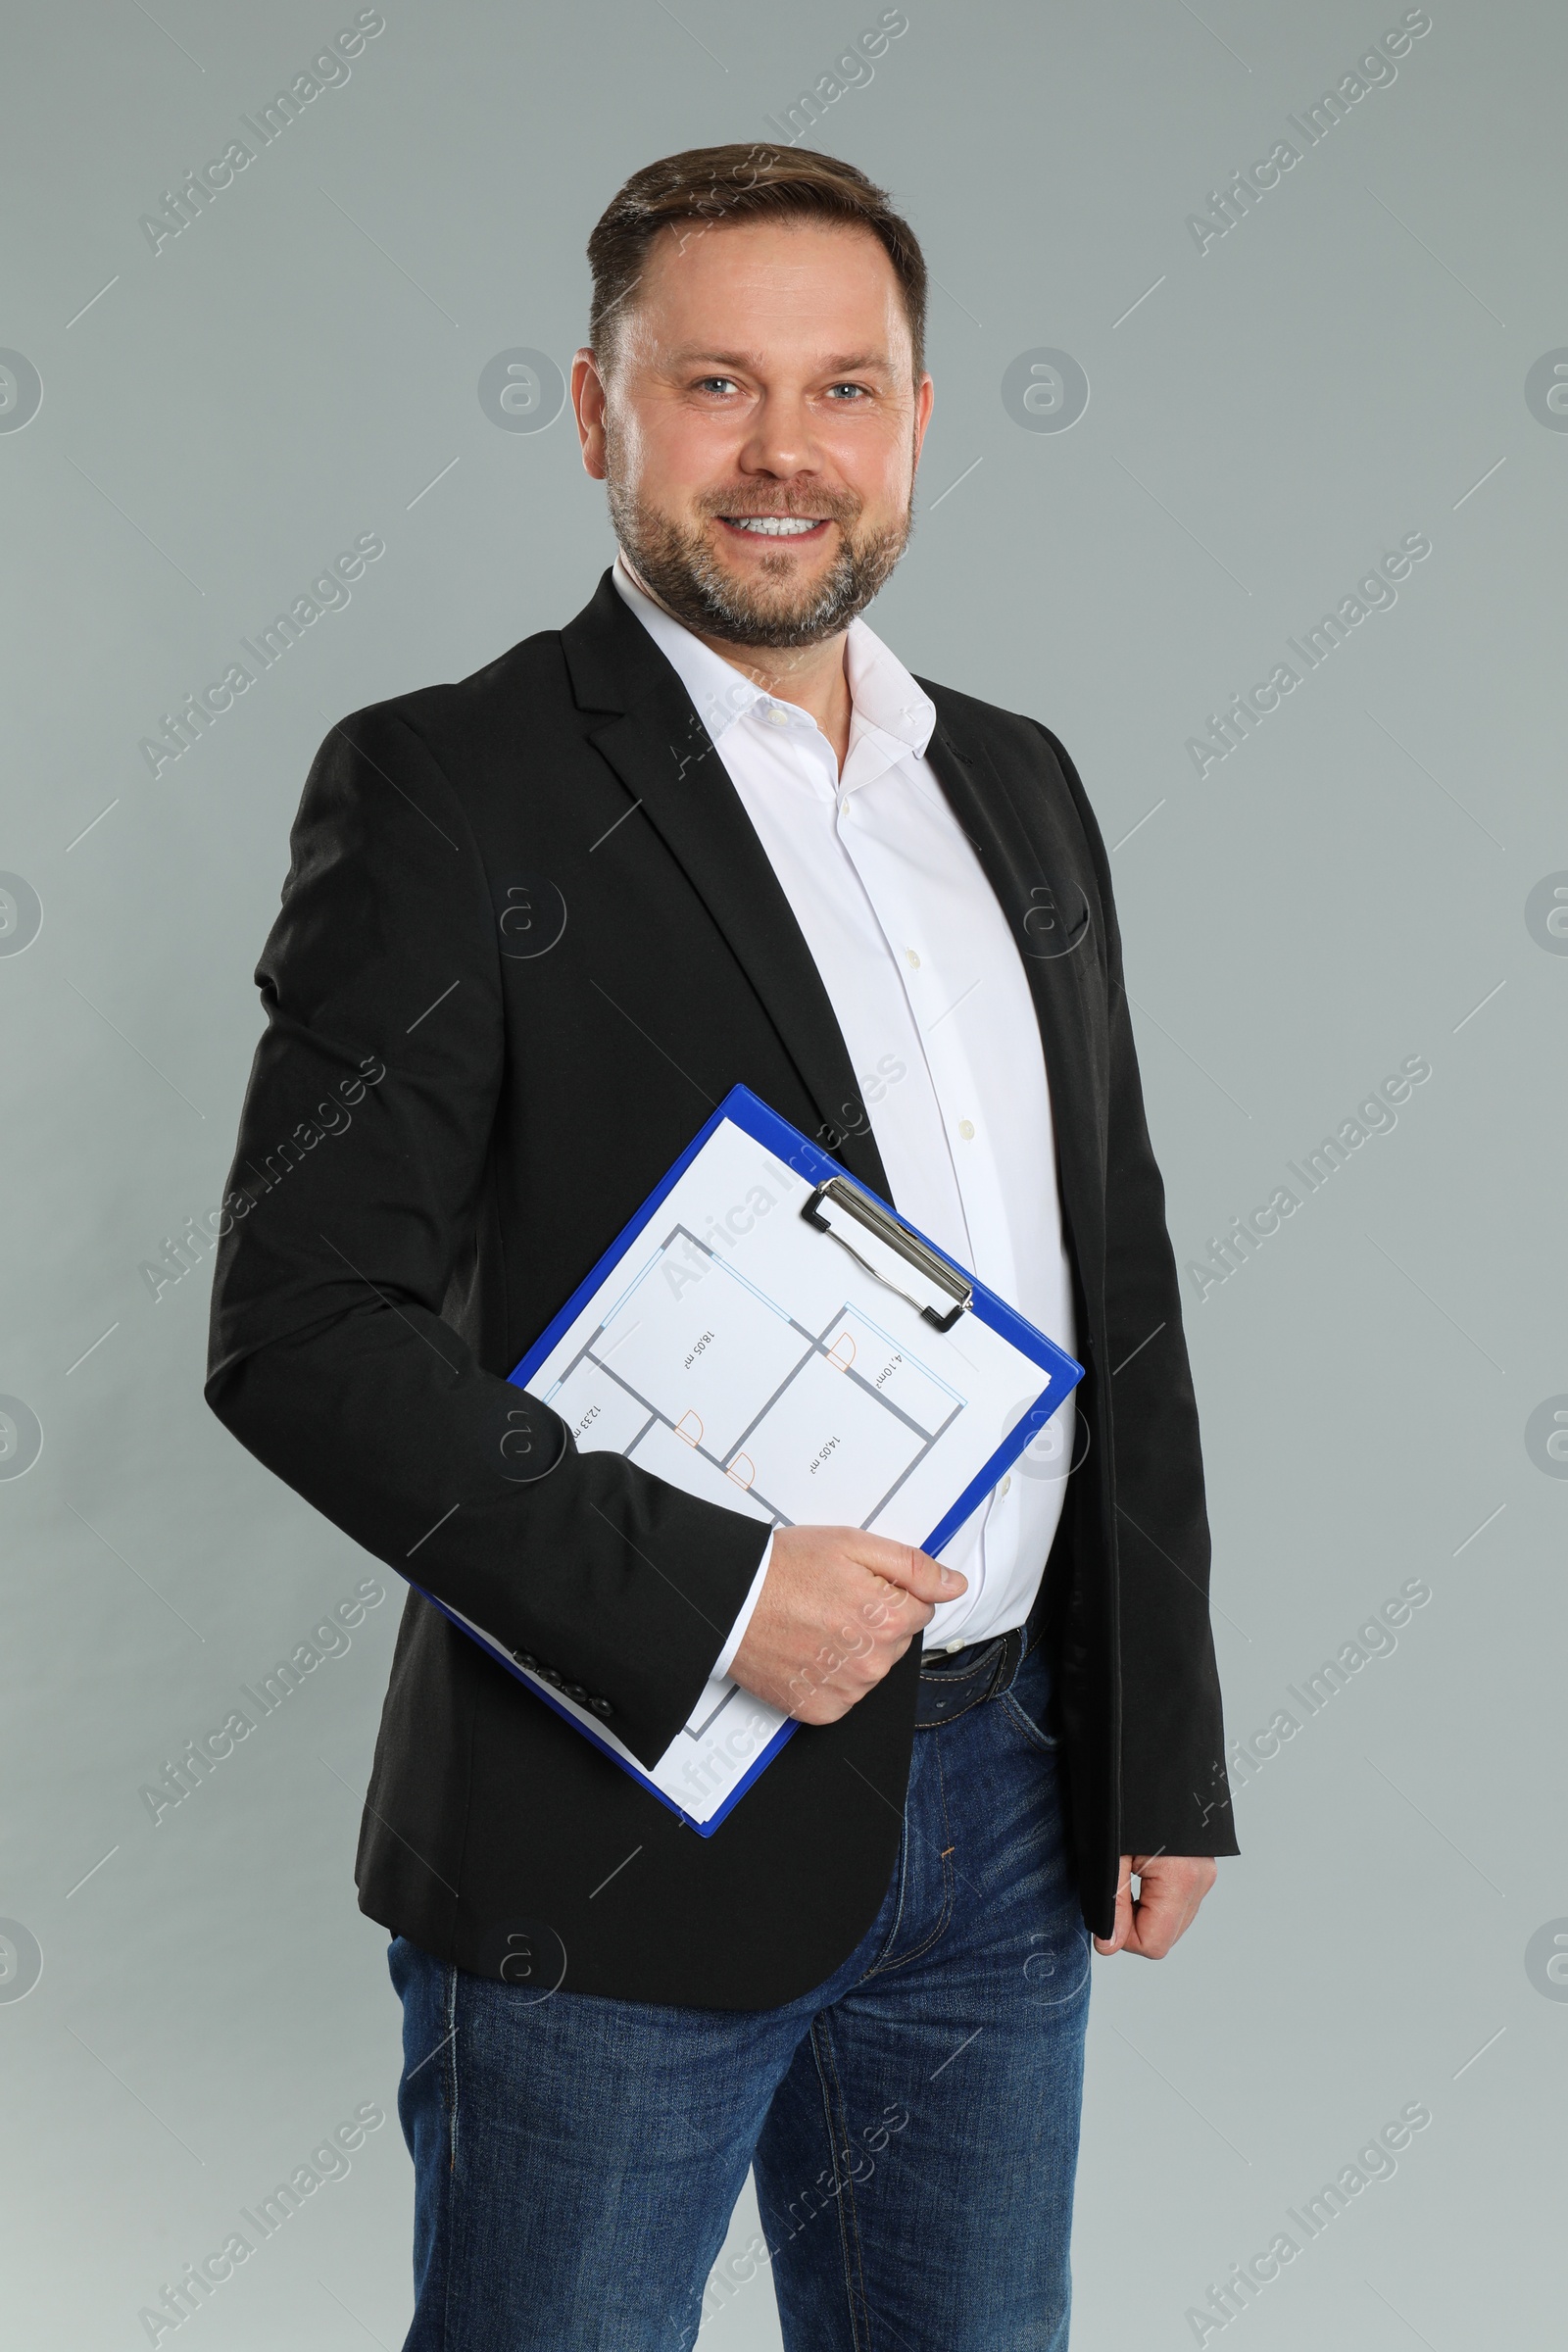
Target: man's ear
<point>925,394</point>
<point>588,407</point>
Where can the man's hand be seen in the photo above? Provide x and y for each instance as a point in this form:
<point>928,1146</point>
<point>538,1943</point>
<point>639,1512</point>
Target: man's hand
<point>837,1610</point>
<point>1170,1887</point>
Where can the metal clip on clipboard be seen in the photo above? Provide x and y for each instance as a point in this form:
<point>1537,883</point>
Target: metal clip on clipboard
<point>838,1205</point>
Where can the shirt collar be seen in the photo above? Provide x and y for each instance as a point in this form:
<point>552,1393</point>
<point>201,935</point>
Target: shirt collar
<point>888,705</point>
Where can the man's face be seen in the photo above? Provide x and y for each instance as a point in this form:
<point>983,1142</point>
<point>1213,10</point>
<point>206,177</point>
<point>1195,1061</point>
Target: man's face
<point>761,427</point>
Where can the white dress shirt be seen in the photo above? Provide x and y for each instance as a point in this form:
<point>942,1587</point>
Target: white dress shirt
<point>930,995</point>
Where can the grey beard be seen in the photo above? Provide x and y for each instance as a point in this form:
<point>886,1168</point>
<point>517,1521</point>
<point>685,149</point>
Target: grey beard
<point>680,569</point>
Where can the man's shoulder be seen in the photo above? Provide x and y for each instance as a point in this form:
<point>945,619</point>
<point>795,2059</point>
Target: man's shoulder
<point>966,718</point>
<point>459,716</point>
<point>1031,760</point>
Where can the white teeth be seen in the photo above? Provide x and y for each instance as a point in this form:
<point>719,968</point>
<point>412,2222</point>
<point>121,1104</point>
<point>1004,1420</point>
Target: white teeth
<point>775,526</point>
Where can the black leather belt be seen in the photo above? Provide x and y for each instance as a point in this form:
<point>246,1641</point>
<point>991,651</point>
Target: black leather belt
<point>951,1681</point>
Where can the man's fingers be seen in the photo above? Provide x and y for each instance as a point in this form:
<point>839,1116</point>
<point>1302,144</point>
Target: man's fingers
<point>1158,1921</point>
<point>1178,1883</point>
<point>1122,1926</point>
<point>838,1608</point>
<point>915,1571</point>
<point>1153,1929</point>
<point>1170,1888</point>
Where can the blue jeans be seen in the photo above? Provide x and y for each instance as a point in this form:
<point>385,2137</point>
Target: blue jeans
<point>912,2122</point>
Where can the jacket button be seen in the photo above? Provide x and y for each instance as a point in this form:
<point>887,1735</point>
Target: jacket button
<point>600,1706</point>
<point>525,1657</point>
<point>573,1690</point>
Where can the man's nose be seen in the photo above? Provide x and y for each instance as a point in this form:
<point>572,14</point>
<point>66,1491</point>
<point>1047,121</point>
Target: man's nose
<point>781,441</point>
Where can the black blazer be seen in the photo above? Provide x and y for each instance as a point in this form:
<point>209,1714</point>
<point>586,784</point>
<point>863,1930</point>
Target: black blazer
<point>528,938</point>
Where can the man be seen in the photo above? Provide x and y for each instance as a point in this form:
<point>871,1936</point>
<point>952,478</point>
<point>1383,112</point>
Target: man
<point>535,925</point>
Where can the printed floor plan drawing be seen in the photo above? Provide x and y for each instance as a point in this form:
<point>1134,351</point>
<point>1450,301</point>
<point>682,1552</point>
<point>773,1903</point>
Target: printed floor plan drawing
<point>770,1406</point>
<point>758,1413</point>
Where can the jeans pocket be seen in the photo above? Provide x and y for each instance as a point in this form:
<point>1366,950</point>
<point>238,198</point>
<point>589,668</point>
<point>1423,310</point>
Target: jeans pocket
<point>1049,1741</point>
<point>1029,1701</point>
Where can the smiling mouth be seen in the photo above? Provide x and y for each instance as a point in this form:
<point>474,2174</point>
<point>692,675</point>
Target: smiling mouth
<point>775,526</point>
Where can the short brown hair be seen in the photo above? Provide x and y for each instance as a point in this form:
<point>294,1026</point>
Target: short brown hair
<point>717,184</point>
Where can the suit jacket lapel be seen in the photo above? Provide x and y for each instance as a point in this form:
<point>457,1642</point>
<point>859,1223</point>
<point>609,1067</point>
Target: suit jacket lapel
<point>664,756</point>
<point>1032,869</point>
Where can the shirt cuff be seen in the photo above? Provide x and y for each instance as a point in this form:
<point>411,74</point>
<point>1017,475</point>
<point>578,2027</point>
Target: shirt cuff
<point>737,1631</point>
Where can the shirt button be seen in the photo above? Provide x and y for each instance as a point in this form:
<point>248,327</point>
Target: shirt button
<point>1005,1484</point>
<point>912,960</point>
<point>951,1646</point>
<point>777,716</point>
<point>966,1130</point>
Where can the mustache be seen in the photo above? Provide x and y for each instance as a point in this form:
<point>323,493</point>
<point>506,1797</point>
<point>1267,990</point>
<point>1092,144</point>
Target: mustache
<point>823,507</point>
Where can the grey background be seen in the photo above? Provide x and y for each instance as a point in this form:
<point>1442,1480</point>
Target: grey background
<point>1346,890</point>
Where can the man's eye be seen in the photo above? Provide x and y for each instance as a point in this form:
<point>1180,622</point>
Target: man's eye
<point>705,381</point>
<point>859,389</point>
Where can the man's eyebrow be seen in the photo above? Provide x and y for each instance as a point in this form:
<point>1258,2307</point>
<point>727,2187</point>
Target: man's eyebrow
<point>840,364</point>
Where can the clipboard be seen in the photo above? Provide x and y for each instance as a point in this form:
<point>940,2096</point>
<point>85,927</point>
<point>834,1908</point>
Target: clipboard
<point>936,1344</point>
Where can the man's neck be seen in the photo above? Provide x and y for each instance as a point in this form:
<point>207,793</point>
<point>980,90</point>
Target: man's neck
<point>811,676</point>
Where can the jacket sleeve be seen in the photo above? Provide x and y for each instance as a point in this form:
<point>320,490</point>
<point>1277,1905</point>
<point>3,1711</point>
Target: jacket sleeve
<point>1175,1793</point>
<point>361,1160</point>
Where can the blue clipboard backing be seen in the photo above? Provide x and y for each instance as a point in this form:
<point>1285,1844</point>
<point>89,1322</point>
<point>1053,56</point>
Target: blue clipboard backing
<point>748,1111</point>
